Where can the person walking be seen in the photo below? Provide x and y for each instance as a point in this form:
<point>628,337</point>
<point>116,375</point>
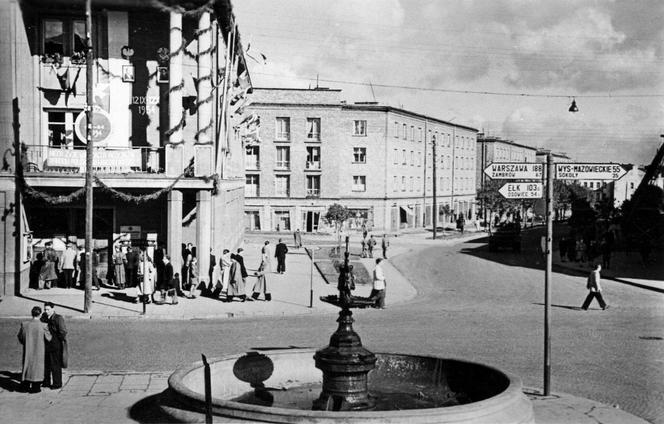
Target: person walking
<point>385,244</point>
<point>213,263</point>
<point>33,335</point>
<point>280,253</point>
<point>595,289</point>
<point>298,239</point>
<point>378,289</point>
<point>236,280</point>
<point>145,290</point>
<point>363,243</point>
<point>193,278</point>
<point>132,267</point>
<point>364,230</point>
<point>171,283</point>
<point>225,263</point>
<point>119,262</point>
<point>68,264</point>
<point>261,284</point>
<point>267,255</point>
<point>48,275</point>
<point>371,243</point>
<point>56,349</point>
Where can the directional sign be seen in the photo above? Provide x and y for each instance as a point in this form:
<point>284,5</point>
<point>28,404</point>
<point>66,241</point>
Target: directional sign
<point>589,171</point>
<point>522,190</point>
<point>514,171</point>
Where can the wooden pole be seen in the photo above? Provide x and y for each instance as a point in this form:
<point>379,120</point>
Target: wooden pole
<point>434,187</point>
<point>547,275</point>
<point>89,248</point>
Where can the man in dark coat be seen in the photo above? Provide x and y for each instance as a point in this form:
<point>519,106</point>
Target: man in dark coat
<point>159,255</point>
<point>240,260</point>
<point>56,348</point>
<point>280,253</point>
<point>169,284</point>
<point>133,261</point>
<point>213,261</point>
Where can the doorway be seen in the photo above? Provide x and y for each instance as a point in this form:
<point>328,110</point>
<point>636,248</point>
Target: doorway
<point>310,221</point>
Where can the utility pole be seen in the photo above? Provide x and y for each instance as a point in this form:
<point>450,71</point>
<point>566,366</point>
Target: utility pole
<point>89,248</point>
<point>435,203</point>
<point>547,274</point>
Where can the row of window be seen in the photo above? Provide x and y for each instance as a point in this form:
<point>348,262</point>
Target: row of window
<point>444,183</point>
<point>252,157</point>
<point>460,162</point>
<point>282,185</point>
<point>405,132</point>
<point>282,131</point>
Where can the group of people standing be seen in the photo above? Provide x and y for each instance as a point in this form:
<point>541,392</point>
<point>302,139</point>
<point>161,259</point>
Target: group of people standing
<point>368,245</point>
<point>49,270</point>
<point>45,354</point>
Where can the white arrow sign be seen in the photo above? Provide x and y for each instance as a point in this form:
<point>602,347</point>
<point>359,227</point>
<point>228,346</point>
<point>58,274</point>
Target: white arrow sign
<point>522,190</point>
<point>589,171</point>
<point>514,171</point>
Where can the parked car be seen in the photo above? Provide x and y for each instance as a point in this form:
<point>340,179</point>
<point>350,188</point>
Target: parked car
<point>507,236</point>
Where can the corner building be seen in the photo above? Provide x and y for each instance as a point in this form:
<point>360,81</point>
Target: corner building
<point>168,152</point>
<point>377,160</point>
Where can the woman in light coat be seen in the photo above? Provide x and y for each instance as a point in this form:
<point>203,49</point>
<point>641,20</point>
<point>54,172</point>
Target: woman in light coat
<point>235,282</point>
<point>149,273</point>
<point>193,278</point>
<point>261,283</point>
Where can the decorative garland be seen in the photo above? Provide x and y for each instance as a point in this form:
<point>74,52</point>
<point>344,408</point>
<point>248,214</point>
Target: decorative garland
<point>207,7</point>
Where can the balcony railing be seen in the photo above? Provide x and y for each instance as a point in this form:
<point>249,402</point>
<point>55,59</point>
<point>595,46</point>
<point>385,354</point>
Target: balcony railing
<point>313,165</point>
<point>283,164</point>
<point>283,136</point>
<point>313,192</point>
<point>106,160</point>
<point>252,164</point>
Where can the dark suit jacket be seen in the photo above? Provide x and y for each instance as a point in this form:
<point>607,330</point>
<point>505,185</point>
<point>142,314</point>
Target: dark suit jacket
<point>240,260</point>
<point>168,274</point>
<point>56,325</point>
<point>132,260</point>
<point>280,250</point>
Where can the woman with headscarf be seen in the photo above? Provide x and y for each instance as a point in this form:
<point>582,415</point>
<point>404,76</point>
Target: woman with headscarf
<point>235,281</point>
<point>261,283</point>
<point>149,273</point>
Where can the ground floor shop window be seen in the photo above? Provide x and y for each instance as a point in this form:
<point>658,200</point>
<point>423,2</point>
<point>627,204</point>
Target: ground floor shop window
<point>282,221</point>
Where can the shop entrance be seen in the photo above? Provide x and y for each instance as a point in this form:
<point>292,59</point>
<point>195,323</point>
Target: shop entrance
<point>310,221</point>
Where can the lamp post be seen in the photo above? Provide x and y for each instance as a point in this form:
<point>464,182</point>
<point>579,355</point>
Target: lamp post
<point>435,197</point>
<point>88,159</point>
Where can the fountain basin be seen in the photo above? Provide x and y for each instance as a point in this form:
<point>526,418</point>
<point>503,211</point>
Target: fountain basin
<point>280,386</point>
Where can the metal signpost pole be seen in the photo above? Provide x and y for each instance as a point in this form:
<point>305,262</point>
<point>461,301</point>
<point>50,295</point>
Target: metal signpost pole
<point>311,280</point>
<point>435,203</point>
<point>89,248</point>
<point>547,275</point>
<point>145,276</point>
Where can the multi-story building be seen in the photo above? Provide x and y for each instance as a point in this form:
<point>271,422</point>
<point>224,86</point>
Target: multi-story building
<point>166,166</point>
<point>376,160</point>
<point>495,149</point>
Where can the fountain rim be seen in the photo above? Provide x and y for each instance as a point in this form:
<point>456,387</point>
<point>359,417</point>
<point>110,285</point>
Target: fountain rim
<point>487,406</point>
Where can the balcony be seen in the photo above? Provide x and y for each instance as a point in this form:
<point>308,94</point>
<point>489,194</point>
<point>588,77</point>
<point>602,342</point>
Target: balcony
<point>282,165</point>
<point>313,137</point>
<point>72,160</point>
<point>252,164</point>
<point>282,136</point>
<point>313,193</point>
<point>313,166</point>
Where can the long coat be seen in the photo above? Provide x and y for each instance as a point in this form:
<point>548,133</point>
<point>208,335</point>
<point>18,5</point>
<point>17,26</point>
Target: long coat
<point>236,281</point>
<point>47,273</point>
<point>58,343</point>
<point>261,283</point>
<point>119,260</point>
<point>33,336</point>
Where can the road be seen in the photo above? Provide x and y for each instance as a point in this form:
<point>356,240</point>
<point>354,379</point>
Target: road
<point>471,304</point>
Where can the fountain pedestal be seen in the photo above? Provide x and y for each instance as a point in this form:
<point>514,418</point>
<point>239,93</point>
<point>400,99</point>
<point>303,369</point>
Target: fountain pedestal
<point>345,364</point>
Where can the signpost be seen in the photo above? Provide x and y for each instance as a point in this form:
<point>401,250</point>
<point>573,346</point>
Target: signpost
<point>514,171</point>
<point>589,171</point>
<point>522,190</point>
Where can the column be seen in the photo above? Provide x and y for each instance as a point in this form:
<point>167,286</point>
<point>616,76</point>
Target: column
<point>203,233</point>
<point>174,231</point>
<point>174,153</point>
<point>204,98</point>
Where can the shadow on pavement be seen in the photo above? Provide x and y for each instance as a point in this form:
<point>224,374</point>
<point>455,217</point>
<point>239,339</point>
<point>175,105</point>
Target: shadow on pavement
<point>573,308</point>
<point>50,299</point>
<point>10,381</point>
<point>147,410</point>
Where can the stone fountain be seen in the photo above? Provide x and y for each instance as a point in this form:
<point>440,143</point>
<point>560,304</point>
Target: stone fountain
<point>358,386</point>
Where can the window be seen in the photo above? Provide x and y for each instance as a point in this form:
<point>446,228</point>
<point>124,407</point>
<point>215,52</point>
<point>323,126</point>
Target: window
<point>251,158</point>
<point>360,128</point>
<point>403,183</point>
<point>412,182</point>
<point>313,157</point>
<point>419,183</point>
<point>251,186</point>
<point>359,155</point>
<point>592,184</point>
<point>359,183</point>
<point>404,129</point>
<point>404,159</point>
<point>313,128</point>
<point>419,158</point>
<point>282,129</point>
<point>396,156</point>
<point>412,133</point>
<point>419,134</point>
<point>60,125</point>
<point>395,183</point>
<point>283,157</point>
<point>396,129</point>
<point>313,185</point>
<point>282,185</point>
<point>63,37</point>
<point>412,158</point>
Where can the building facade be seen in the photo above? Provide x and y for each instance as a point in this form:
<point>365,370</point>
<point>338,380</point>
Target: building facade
<point>316,150</point>
<point>168,157</point>
<point>495,149</point>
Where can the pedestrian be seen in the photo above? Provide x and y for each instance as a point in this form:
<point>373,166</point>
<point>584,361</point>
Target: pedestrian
<point>240,260</point>
<point>35,269</point>
<point>33,335</point>
<point>213,263</point>
<point>266,254</point>
<point>159,254</point>
<point>236,279</point>
<point>68,264</point>
<point>56,349</point>
<point>371,243</point>
<point>385,244</point>
<point>261,284</point>
<point>280,253</point>
<point>145,290</point>
<point>48,275</point>
<point>580,250</point>
<point>119,263</point>
<point>595,289</point>
<point>562,248</point>
<point>185,273</point>
<point>132,267</point>
<point>170,284</point>
<point>298,239</point>
<point>225,263</point>
<point>83,266</point>
<point>193,278</point>
<point>364,230</point>
<point>378,289</point>
<point>363,243</point>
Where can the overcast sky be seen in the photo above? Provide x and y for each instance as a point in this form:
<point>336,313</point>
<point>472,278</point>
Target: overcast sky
<point>566,48</point>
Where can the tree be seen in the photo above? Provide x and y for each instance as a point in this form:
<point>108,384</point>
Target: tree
<point>564,194</point>
<point>492,200</point>
<point>337,215</point>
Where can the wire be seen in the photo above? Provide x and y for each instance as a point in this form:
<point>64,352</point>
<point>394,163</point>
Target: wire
<point>450,90</point>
